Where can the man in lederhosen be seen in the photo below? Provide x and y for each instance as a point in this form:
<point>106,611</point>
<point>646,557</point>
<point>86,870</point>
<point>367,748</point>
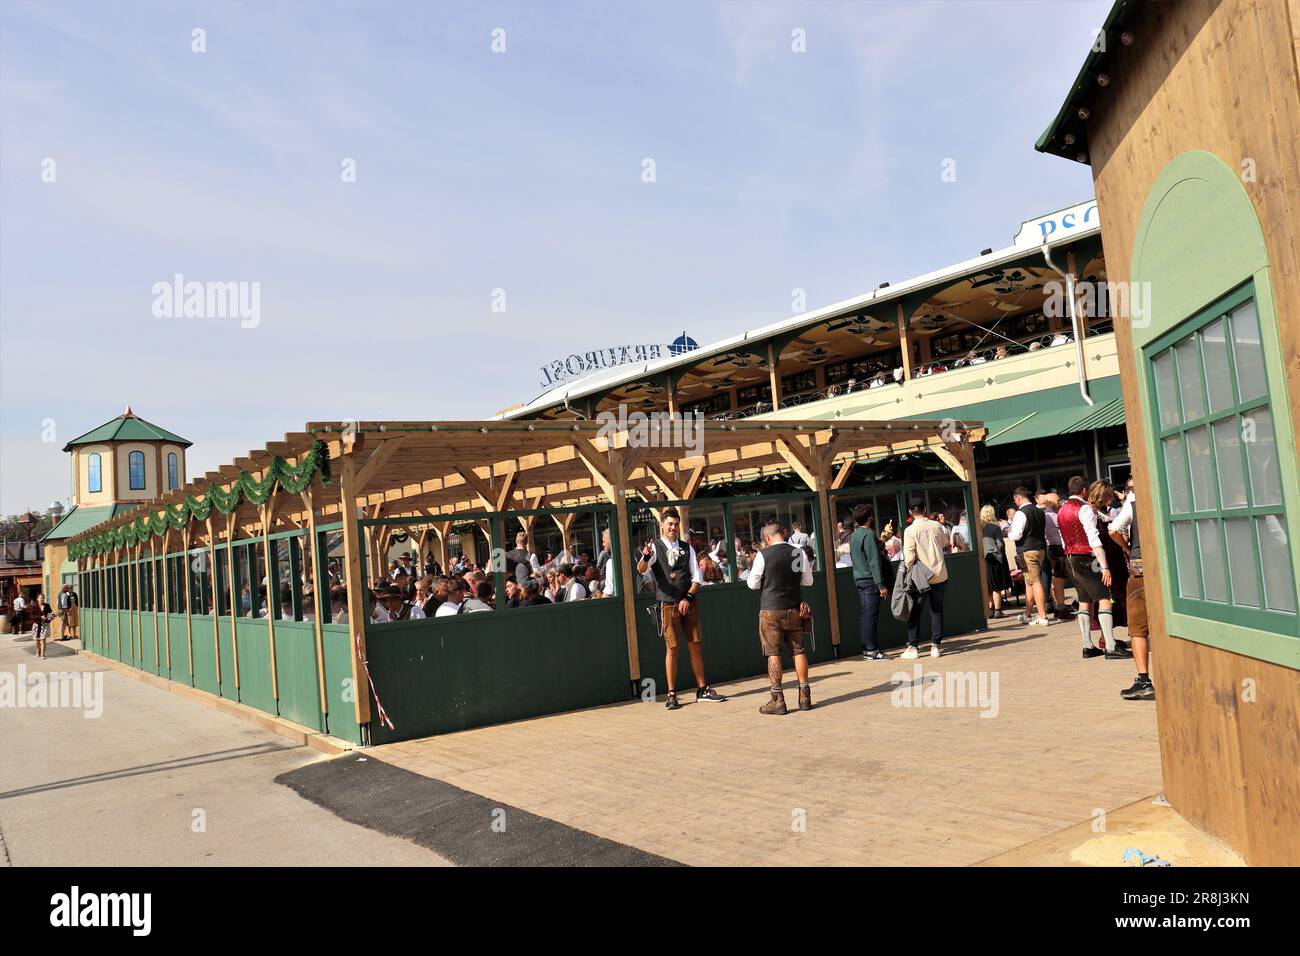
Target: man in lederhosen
<point>780,571</point>
<point>677,581</point>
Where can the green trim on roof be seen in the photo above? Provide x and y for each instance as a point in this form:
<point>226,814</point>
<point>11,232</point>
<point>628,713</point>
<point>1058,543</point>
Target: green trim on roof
<point>127,429</point>
<point>1067,121</point>
<point>83,519</point>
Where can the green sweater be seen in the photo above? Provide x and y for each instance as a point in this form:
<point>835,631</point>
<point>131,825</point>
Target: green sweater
<point>868,562</point>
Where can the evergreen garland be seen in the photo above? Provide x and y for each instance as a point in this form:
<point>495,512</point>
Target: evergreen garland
<point>291,478</point>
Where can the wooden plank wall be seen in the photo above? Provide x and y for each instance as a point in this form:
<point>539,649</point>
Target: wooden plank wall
<point>1218,75</point>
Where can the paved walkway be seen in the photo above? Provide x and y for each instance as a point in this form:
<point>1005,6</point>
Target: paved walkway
<point>123,789</point>
<point>857,780</point>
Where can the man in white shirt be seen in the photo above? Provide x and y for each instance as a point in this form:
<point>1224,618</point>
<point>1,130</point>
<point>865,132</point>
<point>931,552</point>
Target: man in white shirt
<point>677,580</point>
<point>797,536</point>
<point>571,589</point>
<point>455,597</point>
<point>779,572</point>
<point>925,541</point>
<point>608,571</point>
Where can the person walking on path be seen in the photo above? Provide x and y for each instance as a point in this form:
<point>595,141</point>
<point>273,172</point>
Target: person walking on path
<point>924,542</point>
<point>42,615</point>
<point>1138,629</point>
<point>871,576</point>
<point>779,573</point>
<point>1089,567</point>
<point>1029,532</point>
<point>995,558</point>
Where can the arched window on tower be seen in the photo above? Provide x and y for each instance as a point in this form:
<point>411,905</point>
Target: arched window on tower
<point>136,467</point>
<point>173,478</point>
<point>94,477</point>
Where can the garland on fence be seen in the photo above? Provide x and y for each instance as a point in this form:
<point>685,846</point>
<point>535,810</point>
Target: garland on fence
<point>290,478</point>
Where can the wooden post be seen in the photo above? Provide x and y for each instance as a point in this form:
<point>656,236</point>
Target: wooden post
<point>444,529</point>
<point>213,610</point>
<point>166,597</point>
<point>322,601</point>
<point>814,467</point>
<point>626,583</point>
<point>358,611</point>
<point>234,595</point>
<point>153,590</point>
<point>774,379</point>
<point>132,589</point>
<point>272,582</point>
<point>960,458</point>
<point>829,553</point>
<point>904,344</point>
<point>184,588</point>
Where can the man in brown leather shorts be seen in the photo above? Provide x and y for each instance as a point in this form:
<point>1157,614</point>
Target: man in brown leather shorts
<point>672,564</point>
<point>779,571</point>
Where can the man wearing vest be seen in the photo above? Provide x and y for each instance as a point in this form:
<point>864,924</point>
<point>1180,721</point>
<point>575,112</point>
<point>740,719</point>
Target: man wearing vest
<point>1087,564</point>
<point>1138,629</point>
<point>779,571</point>
<point>677,581</point>
<point>871,572</point>
<point>520,562</point>
<point>1029,532</point>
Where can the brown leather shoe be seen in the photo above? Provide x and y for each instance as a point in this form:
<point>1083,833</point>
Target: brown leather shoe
<point>776,705</point>
<point>805,698</point>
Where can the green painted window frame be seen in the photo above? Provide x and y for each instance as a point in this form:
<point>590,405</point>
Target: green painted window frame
<point>1280,622</point>
<point>95,473</point>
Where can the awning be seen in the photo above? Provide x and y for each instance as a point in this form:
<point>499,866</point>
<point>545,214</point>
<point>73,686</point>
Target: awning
<point>1055,421</point>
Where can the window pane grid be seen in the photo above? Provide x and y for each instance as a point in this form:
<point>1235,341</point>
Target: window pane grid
<point>1220,490</point>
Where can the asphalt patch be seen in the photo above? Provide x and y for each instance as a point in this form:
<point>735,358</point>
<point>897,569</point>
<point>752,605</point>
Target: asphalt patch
<point>452,822</point>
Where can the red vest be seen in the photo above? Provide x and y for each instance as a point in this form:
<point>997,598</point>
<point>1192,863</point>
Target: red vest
<point>1072,533</point>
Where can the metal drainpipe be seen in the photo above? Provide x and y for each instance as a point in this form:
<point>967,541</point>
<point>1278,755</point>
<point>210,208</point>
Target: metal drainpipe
<point>1074,322</point>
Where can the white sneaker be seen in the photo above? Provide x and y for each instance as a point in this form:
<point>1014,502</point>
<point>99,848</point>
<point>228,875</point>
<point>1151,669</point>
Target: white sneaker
<point>1041,622</point>
<point>934,651</point>
<point>910,654</point>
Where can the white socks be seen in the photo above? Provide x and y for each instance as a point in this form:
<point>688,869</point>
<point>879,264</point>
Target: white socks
<point>1085,627</point>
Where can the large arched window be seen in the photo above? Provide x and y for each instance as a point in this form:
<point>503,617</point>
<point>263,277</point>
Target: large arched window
<point>94,476</point>
<point>135,462</point>
<point>1212,379</point>
<point>173,478</point>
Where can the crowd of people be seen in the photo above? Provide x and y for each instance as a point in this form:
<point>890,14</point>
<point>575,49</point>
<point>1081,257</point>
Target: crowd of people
<point>1088,541</point>
<point>38,615</point>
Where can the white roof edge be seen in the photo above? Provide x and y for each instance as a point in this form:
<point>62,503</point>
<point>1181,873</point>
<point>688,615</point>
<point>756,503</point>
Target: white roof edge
<point>595,383</point>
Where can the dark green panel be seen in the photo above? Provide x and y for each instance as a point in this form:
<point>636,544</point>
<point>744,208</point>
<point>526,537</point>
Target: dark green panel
<point>255,664</point>
<point>295,657</point>
<point>180,671</point>
<point>226,647</point>
<point>205,655</point>
<point>449,674</point>
<point>341,720</point>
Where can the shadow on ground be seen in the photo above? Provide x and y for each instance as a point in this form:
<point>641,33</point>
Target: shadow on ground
<point>467,829</point>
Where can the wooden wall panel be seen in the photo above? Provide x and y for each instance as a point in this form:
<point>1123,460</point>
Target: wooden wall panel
<point>1221,76</point>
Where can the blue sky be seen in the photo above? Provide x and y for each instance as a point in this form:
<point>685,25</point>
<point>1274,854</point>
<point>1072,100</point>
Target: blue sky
<point>476,171</point>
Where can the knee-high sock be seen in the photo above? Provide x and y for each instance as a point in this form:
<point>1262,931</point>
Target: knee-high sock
<point>1085,626</point>
<point>774,673</point>
<point>1107,621</point>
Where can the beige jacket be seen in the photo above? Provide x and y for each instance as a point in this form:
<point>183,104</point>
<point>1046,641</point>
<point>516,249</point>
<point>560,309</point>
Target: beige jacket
<point>924,540</point>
